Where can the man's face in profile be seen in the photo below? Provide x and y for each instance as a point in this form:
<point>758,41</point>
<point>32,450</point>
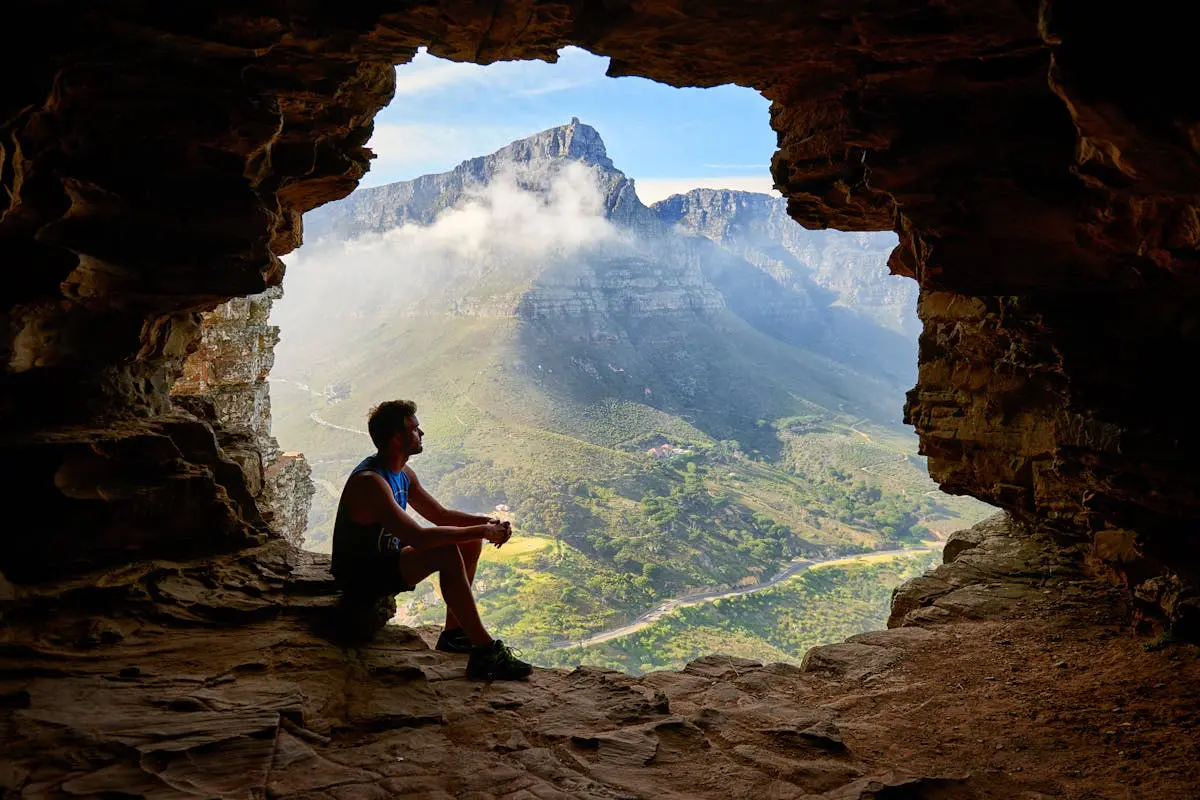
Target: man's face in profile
<point>410,439</point>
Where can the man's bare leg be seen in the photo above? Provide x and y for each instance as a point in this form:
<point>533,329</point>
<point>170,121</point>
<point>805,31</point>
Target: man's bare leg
<point>448,563</point>
<point>470,556</point>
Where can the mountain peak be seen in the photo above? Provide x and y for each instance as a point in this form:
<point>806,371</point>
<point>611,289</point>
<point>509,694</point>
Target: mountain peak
<point>575,140</point>
<point>719,204</point>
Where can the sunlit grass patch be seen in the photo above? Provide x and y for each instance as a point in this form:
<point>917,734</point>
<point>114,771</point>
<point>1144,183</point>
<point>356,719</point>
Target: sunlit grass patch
<point>517,548</point>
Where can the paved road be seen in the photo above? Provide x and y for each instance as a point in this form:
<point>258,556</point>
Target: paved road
<point>315,417</point>
<point>697,598</point>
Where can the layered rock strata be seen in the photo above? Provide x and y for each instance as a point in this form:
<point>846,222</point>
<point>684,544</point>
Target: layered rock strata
<point>756,227</point>
<point>1040,166</point>
<point>227,679</point>
<point>224,382</point>
<point>612,265</point>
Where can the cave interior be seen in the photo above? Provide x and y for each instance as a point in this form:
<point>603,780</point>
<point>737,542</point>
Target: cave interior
<point>1039,162</point>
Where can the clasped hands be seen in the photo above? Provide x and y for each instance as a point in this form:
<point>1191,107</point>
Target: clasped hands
<point>498,531</point>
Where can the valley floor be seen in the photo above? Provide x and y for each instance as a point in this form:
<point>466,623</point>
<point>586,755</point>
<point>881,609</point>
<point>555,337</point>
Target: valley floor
<point>697,598</point>
<point>1014,676</point>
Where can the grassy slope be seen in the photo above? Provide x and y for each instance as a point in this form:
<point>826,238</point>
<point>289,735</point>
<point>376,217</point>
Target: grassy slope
<point>778,624</point>
<point>505,428</point>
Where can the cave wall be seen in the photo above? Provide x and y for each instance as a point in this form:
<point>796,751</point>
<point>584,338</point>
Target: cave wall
<point>1035,158</point>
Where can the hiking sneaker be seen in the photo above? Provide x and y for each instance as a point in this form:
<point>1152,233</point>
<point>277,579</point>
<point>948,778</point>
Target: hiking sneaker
<point>495,662</point>
<point>454,641</point>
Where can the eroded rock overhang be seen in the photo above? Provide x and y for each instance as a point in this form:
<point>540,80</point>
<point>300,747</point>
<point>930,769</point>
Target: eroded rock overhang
<point>1036,160</point>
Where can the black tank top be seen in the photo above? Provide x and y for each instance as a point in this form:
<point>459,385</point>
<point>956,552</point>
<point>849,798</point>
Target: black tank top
<point>354,542</point>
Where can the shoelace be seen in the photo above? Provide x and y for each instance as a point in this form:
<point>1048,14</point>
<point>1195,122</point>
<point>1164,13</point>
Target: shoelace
<point>510,655</point>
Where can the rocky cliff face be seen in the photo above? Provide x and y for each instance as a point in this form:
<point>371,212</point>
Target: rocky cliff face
<point>619,261</point>
<point>1040,172</point>
<point>757,228</point>
<point>224,383</point>
<point>691,255</point>
<point>538,229</point>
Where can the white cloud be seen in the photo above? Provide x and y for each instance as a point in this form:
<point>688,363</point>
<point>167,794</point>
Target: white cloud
<point>497,235</point>
<point>426,73</point>
<point>501,219</point>
<point>575,68</point>
<point>562,85</point>
<point>651,190</point>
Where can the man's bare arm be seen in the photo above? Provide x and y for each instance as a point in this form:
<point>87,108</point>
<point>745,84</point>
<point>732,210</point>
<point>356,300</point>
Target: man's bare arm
<point>370,501</point>
<point>435,512</point>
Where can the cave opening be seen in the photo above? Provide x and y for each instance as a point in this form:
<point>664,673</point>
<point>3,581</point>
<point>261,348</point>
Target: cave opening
<point>1040,169</point>
<point>681,399</point>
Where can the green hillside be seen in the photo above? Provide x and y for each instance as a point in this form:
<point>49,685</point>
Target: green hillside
<point>617,530</point>
<point>816,607</point>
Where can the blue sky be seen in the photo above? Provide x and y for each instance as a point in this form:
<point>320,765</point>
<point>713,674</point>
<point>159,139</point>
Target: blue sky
<point>667,139</point>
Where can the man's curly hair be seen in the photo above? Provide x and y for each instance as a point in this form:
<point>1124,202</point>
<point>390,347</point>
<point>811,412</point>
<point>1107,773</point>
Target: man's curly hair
<point>387,419</point>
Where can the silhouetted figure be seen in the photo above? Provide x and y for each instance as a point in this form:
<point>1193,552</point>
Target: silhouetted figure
<point>379,550</point>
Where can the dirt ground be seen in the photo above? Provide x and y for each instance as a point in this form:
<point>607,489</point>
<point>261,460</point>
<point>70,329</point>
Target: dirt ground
<point>1014,676</point>
<point>1056,699</point>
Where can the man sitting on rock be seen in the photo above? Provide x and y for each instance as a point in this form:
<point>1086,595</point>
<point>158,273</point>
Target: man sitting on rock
<point>379,549</point>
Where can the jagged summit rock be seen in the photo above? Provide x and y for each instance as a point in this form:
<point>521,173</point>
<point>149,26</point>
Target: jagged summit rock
<point>727,203</point>
<point>533,159</point>
<point>575,140</point>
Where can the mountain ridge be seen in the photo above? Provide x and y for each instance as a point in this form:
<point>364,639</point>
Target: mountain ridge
<point>422,198</point>
<point>458,243</point>
<point>750,226</point>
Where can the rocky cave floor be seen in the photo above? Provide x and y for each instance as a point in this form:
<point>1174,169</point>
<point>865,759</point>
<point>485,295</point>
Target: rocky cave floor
<point>1013,675</point>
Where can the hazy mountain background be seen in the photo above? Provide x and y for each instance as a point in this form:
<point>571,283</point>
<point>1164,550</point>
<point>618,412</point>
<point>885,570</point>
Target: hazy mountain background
<point>553,329</point>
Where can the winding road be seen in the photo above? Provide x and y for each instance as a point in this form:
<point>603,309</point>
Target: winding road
<point>315,417</point>
<point>697,598</point>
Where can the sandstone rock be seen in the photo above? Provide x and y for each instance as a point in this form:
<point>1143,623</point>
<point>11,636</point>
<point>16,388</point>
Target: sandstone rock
<point>1007,565</point>
<point>822,733</point>
<point>898,785</point>
<point>1039,169</point>
<point>718,666</point>
<point>629,747</point>
<point>224,383</point>
<point>849,661</point>
<point>902,638</point>
<point>963,540</point>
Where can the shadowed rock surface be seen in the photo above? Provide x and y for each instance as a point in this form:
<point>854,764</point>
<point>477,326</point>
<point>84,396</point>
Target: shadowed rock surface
<point>1040,166</point>
<point>228,681</point>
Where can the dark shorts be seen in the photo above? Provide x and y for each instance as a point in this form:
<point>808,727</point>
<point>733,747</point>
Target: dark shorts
<point>376,575</point>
